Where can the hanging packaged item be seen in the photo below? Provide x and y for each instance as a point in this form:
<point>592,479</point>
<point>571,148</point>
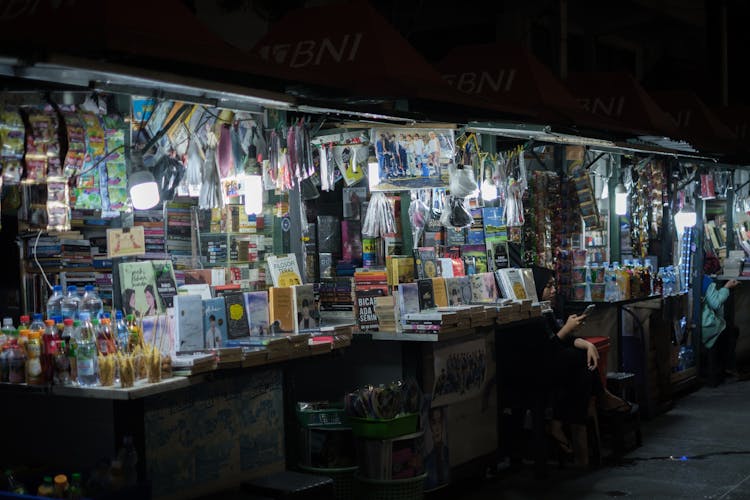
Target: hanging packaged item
<point>351,160</point>
<point>12,137</point>
<point>708,191</point>
<point>76,135</point>
<point>38,139</point>
<point>380,219</point>
<point>456,215</point>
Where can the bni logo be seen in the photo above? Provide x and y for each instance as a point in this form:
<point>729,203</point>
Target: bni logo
<point>607,106</point>
<point>471,82</point>
<point>313,52</point>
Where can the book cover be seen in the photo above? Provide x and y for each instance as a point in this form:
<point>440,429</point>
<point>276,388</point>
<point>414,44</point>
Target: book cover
<point>351,241</point>
<point>408,298</point>
<point>329,234</point>
<point>188,323</point>
<point>475,258</point>
<point>364,302</point>
<point>512,283</point>
<point>483,288</point>
<point>215,322</point>
<point>440,292</point>
<point>458,290</point>
<point>325,263</point>
<point>426,294</point>
<point>307,312</point>
<point>258,317</point>
<point>400,269</point>
<point>236,316</point>
<point>495,235</point>
<point>455,237</point>
<point>528,284</point>
<point>281,310</point>
<point>284,270</point>
<point>138,289</point>
<point>161,326</point>
<point>352,200</point>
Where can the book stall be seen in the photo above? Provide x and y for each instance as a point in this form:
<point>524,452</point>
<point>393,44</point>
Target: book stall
<point>221,283</point>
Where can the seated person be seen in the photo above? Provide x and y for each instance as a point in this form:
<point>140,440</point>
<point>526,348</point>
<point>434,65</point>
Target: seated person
<point>574,373</point>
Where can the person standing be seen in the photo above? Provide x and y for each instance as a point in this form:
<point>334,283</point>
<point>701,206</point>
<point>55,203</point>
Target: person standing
<point>718,339</point>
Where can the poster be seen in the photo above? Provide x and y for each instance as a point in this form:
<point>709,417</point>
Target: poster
<point>437,455</point>
<point>460,372</point>
<point>126,242</point>
<point>413,157</point>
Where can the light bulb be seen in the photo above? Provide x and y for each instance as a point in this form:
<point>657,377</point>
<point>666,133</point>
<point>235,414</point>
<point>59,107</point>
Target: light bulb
<point>621,199</point>
<point>686,217</point>
<point>144,192</point>
<point>489,190</point>
<point>253,194</point>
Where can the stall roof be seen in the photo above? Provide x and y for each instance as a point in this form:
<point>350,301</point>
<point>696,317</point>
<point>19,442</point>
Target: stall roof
<point>619,96</point>
<point>697,122</point>
<point>351,47</point>
<point>507,73</point>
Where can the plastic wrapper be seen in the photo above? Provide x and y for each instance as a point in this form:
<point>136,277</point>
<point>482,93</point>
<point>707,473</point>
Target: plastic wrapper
<point>419,212</point>
<point>456,215</point>
<point>462,182</point>
<point>58,217</point>
<point>210,194</point>
<point>379,220</point>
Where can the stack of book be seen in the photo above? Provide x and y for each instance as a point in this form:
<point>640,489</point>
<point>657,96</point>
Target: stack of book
<point>75,251</point>
<point>48,250</point>
<point>153,229</point>
<point>434,321</point>
<point>192,364</point>
<point>368,284</point>
<point>385,309</point>
<point>179,233</point>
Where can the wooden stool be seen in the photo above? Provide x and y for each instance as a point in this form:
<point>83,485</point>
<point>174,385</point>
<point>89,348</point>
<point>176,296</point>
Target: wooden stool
<point>291,485</point>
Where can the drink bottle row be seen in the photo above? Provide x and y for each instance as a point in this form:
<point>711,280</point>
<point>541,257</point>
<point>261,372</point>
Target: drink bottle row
<point>66,351</point>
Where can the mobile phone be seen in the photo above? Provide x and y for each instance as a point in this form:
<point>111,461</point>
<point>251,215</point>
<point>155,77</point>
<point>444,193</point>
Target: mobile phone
<point>589,309</point>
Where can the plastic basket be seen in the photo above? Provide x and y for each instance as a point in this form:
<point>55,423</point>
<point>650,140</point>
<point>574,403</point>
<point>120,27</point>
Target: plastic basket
<point>344,482</point>
<point>328,417</point>
<point>384,429</point>
<point>393,489</point>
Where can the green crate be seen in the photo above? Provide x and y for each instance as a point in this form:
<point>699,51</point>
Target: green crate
<point>384,429</point>
<point>328,417</point>
<point>344,482</point>
<point>392,489</point>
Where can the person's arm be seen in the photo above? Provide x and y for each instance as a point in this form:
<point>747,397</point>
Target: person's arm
<point>715,297</point>
<point>592,354</point>
<point>573,323</point>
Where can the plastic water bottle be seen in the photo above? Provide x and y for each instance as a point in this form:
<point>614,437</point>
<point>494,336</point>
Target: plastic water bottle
<point>8,331</point>
<point>54,303</point>
<point>37,325</point>
<point>122,332</point>
<point>91,303</point>
<point>71,303</point>
<point>86,354</point>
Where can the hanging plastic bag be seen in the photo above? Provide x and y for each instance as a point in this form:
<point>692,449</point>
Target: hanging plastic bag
<point>456,215</point>
<point>379,219</point>
<point>515,187</point>
<point>419,212</point>
<point>462,183</point>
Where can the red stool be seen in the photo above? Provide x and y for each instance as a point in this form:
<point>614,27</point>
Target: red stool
<point>602,345</point>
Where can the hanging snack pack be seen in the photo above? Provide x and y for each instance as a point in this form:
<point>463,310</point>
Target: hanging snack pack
<point>41,131</point>
<point>580,177</point>
<point>76,153</point>
<point>12,136</point>
<point>117,185</point>
<point>88,190</point>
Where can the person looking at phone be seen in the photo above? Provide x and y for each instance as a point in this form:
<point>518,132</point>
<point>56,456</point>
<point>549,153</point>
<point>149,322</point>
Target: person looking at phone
<point>719,339</point>
<point>574,374</point>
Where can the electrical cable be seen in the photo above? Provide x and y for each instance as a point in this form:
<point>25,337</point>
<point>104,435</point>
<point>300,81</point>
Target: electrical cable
<point>44,275</point>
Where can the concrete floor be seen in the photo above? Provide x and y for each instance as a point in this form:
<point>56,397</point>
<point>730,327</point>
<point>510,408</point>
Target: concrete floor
<point>699,449</point>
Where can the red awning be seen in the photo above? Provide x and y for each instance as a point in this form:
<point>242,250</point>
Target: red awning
<point>350,46</point>
<point>619,96</point>
<point>696,121</point>
<point>507,73</point>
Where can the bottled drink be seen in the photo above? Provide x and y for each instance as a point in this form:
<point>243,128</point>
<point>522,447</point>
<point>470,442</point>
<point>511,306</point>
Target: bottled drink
<point>25,323</point>
<point>71,303</point>
<point>34,374</point>
<point>49,350</point>
<point>73,350</point>
<point>86,354</point>
<point>4,363</point>
<point>104,337</point>
<point>16,363</point>
<point>134,337</point>
<point>46,489</point>
<point>62,365</point>
<point>61,486</point>
<point>54,303</point>
<point>37,324</point>
<point>91,303</point>
<point>14,486</point>
<point>121,329</point>
<point>7,332</point>
<point>75,490</point>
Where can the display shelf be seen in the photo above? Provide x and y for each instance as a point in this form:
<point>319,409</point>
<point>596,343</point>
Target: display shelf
<point>140,389</point>
<point>727,278</point>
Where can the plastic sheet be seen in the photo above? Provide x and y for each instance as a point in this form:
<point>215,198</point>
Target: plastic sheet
<point>379,220</point>
<point>419,212</point>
